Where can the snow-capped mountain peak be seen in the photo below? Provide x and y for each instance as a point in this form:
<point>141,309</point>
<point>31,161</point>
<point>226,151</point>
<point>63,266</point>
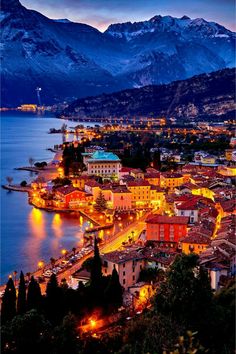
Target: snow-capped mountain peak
<point>69,59</point>
<point>184,26</point>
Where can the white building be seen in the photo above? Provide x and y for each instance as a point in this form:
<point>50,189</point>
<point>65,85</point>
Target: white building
<point>104,164</point>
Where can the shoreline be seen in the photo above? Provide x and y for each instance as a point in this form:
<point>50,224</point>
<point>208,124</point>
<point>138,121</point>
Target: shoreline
<point>17,188</point>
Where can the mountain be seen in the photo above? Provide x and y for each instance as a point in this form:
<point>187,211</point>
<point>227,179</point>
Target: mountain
<point>70,60</point>
<point>203,96</point>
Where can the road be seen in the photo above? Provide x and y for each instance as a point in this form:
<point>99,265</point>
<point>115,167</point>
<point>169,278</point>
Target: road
<point>113,243</point>
<point>133,230</point>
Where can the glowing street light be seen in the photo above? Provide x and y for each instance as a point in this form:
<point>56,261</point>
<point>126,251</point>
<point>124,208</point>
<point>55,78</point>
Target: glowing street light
<point>93,323</point>
<point>40,264</point>
<point>64,252</point>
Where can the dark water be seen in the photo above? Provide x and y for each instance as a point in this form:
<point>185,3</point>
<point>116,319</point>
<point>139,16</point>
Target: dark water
<point>28,234</point>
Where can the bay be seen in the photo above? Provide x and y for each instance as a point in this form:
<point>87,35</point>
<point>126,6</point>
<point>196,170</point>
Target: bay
<point>29,234</point>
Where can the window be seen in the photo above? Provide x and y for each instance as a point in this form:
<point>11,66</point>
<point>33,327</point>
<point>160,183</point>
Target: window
<point>124,273</point>
<point>133,269</point>
<point>123,281</point>
<point>123,265</point>
<point>134,277</point>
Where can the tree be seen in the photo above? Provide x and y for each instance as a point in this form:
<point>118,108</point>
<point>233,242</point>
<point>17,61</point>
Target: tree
<point>186,295</point>
<point>101,204</point>
<point>63,128</point>
<point>54,300</point>
<point>27,333</point>
<point>9,301</point>
<point>113,292</point>
<point>96,269</point>
<point>34,297</point>
<point>9,180</point>
<point>23,184</point>
<point>156,159</point>
<point>31,161</point>
<point>65,336</point>
<point>148,275</point>
<point>21,300</point>
<point>88,264</point>
<point>53,262</point>
<point>61,182</point>
<point>96,277</point>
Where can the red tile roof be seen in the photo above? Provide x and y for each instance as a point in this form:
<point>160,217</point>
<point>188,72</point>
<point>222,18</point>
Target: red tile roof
<point>196,238</point>
<point>171,175</point>
<point>152,175</point>
<point>123,256</point>
<point>126,169</point>
<point>162,219</point>
<point>138,183</point>
<point>66,190</point>
<point>92,184</point>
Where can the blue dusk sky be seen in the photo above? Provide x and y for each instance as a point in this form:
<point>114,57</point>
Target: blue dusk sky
<point>101,13</point>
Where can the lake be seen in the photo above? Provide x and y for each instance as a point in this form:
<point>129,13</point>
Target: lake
<point>29,234</point>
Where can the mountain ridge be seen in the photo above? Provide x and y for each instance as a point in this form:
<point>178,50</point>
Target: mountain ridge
<point>70,60</point>
<point>204,95</point>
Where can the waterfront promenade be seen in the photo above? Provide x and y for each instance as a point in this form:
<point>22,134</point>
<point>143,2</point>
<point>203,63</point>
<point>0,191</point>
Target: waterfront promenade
<point>109,244</point>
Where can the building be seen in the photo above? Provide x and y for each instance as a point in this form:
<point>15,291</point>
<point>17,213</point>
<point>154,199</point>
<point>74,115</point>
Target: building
<point>195,243</point>
<point>28,107</point>
<point>70,197</point>
<point>187,208</point>
<point>204,158</point>
<point>171,180</point>
<point>121,198</point>
<point>166,229</point>
<point>104,164</point>
<point>128,264</point>
<point>140,190</point>
<point>153,178</point>
<point>124,171</point>
<point>157,197</point>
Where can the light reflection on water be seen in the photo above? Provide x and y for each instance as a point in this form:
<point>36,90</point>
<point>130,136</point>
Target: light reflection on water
<point>29,234</point>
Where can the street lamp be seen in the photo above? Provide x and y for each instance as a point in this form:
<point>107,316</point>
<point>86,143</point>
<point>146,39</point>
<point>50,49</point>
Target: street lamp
<point>40,264</point>
<point>64,252</point>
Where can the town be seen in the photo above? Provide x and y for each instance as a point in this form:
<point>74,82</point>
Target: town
<point>150,195</point>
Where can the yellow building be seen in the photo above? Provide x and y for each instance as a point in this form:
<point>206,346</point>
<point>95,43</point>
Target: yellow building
<point>171,180</point>
<point>140,190</point>
<point>208,159</point>
<point>152,178</point>
<point>204,191</point>
<point>157,197</point>
<point>195,243</point>
<point>28,107</point>
<point>229,171</point>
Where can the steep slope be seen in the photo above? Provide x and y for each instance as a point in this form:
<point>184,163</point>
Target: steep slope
<point>70,60</point>
<point>206,95</point>
<point>37,51</point>
<point>167,48</point>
